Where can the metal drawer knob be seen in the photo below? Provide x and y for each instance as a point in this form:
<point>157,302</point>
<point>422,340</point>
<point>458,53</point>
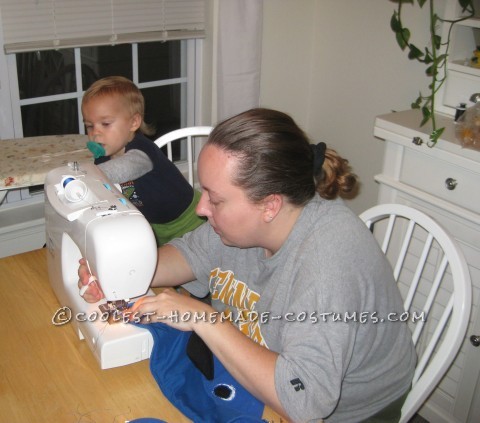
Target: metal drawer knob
<point>450,183</point>
<point>475,340</point>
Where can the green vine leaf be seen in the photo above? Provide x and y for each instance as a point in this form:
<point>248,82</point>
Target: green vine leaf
<point>431,70</point>
<point>403,36</point>
<point>428,57</point>
<point>426,115</point>
<point>414,53</point>
<point>395,23</point>
<point>442,58</point>
<point>434,56</point>
<point>418,102</point>
<point>435,136</point>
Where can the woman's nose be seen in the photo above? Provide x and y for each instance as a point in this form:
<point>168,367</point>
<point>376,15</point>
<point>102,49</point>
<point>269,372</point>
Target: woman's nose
<point>202,208</point>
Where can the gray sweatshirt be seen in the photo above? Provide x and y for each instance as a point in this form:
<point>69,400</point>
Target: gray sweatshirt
<point>325,302</point>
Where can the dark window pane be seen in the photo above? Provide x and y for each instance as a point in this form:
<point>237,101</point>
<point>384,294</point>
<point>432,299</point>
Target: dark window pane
<point>53,118</point>
<point>47,73</point>
<point>158,61</point>
<point>162,108</point>
<point>108,61</point>
<point>163,111</point>
<point>44,73</point>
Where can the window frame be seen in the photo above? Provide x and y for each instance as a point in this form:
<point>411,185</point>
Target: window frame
<point>192,79</point>
<point>10,102</point>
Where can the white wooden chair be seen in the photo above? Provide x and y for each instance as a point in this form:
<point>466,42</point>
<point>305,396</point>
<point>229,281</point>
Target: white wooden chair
<point>433,278</point>
<point>188,134</point>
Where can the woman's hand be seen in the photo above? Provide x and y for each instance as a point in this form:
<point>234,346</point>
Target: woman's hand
<point>93,291</point>
<point>176,310</point>
<point>252,364</point>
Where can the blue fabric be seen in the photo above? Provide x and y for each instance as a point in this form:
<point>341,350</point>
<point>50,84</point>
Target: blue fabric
<point>188,390</point>
<point>147,420</point>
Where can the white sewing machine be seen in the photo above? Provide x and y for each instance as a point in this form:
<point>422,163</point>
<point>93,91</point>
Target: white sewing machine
<point>86,216</point>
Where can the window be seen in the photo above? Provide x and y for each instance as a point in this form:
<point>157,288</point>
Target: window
<point>54,49</point>
<point>51,84</point>
<point>57,48</point>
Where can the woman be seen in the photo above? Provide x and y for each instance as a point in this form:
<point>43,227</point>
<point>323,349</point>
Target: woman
<point>300,278</point>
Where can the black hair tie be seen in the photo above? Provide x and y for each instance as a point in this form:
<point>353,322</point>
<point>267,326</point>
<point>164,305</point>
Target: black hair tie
<point>318,156</point>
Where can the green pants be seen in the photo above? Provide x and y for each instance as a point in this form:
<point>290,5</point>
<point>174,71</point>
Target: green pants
<point>391,413</point>
<point>186,222</point>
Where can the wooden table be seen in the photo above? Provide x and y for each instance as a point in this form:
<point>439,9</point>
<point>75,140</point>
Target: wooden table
<point>47,374</point>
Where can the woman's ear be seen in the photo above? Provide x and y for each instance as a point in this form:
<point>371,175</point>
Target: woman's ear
<point>271,206</point>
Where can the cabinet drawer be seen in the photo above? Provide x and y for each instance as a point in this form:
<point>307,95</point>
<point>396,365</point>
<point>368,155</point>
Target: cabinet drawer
<point>431,175</point>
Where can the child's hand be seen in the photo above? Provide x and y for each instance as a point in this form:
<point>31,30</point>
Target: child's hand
<point>90,291</point>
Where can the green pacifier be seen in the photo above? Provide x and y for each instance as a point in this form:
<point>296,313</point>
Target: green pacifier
<point>96,149</point>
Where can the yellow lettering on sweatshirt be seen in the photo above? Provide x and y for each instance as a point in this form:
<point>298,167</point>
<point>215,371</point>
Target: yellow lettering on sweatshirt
<point>237,295</point>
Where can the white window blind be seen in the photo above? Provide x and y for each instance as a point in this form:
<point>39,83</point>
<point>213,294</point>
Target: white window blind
<point>31,25</point>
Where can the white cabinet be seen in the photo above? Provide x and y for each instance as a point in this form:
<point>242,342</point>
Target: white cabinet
<point>463,79</point>
<point>444,182</point>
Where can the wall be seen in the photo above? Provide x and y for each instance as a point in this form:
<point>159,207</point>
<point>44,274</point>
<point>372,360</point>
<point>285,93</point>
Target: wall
<point>334,65</point>
<point>6,128</point>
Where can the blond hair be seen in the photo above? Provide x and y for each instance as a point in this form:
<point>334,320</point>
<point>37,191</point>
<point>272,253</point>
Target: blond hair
<point>119,85</point>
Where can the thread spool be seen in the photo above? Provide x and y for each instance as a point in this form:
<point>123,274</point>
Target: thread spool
<point>74,189</point>
<point>67,179</point>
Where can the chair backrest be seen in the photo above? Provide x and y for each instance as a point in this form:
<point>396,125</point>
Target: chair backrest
<point>188,134</point>
<point>434,280</point>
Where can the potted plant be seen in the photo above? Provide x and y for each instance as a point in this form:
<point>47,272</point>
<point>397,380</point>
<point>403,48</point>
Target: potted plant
<point>434,55</point>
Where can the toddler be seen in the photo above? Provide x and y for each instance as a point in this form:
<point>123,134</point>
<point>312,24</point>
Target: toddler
<point>113,114</point>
